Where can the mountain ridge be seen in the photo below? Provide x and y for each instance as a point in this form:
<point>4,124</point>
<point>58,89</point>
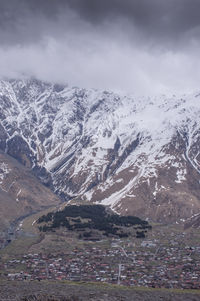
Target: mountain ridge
<point>140,156</point>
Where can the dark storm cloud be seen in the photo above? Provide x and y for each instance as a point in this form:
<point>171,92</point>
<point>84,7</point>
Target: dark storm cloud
<point>139,46</point>
<point>181,15</point>
<point>26,20</point>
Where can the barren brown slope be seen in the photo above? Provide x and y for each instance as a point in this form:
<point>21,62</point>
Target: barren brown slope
<point>21,193</point>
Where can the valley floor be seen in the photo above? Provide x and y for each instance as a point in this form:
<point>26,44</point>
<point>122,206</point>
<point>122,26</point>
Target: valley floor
<point>147,266</point>
<point>168,258</point>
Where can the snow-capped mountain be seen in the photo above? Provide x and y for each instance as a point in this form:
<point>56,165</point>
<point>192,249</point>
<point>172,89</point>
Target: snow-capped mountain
<point>139,155</point>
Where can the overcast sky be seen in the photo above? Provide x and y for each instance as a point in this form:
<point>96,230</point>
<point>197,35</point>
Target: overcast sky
<point>138,46</point>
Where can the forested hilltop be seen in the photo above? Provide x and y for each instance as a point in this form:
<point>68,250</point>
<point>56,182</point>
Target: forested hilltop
<point>90,220</point>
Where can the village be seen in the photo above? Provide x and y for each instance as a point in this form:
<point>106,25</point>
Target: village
<point>147,264</point>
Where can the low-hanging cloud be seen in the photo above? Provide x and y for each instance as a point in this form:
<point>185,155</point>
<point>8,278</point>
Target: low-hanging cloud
<point>141,46</point>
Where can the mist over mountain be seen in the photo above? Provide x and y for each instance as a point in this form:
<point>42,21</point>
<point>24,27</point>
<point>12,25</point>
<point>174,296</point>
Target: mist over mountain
<point>138,46</point>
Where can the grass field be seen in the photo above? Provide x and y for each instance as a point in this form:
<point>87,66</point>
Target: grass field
<point>67,291</point>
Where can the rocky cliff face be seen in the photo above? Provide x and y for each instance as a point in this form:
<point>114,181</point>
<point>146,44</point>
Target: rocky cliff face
<point>140,156</point>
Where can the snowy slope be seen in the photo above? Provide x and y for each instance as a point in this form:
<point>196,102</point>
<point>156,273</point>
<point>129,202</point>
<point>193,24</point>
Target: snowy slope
<point>138,155</point>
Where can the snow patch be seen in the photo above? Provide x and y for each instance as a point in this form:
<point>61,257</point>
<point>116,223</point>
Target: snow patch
<point>17,200</point>
<point>181,173</point>
<point>4,170</point>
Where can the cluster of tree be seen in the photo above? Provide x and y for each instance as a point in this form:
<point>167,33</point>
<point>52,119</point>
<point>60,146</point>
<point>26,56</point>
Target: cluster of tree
<point>91,217</point>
